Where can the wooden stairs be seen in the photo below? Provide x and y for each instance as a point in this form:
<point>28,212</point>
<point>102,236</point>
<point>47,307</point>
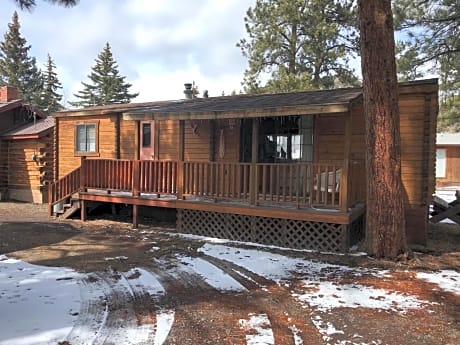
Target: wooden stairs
<point>69,207</point>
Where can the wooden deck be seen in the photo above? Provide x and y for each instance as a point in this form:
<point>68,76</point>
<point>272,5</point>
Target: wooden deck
<point>296,188</point>
<point>318,195</point>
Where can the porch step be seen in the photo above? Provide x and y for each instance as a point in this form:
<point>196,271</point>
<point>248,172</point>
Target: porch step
<point>70,211</point>
<point>69,208</point>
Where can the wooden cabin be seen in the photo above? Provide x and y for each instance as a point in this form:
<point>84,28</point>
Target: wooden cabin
<point>447,160</point>
<point>285,169</point>
<point>26,142</point>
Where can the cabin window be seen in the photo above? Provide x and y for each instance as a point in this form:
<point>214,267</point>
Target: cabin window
<point>441,163</point>
<point>146,135</point>
<point>86,138</point>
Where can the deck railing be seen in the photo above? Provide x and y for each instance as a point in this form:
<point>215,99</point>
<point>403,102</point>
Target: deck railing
<point>294,184</point>
<point>157,177</point>
<point>108,174</point>
<point>298,184</point>
<point>63,188</point>
<point>217,180</point>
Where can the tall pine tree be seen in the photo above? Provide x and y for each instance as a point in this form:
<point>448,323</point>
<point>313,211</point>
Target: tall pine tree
<point>17,68</point>
<point>302,43</point>
<point>106,85</point>
<point>50,98</point>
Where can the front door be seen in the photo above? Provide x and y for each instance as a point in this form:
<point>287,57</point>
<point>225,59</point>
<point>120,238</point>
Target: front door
<point>147,142</point>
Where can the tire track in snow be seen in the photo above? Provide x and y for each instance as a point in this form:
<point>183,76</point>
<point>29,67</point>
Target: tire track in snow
<point>93,311</point>
<point>145,285</point>
<point>107,314</point>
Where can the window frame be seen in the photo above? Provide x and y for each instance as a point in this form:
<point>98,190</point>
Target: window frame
<point>94,153</point>
<point>443,166</point>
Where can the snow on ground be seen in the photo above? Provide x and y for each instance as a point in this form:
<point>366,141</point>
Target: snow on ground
<point>44,305</point>
<point>446,280</point>
<point>259,328</point>
<point>319,292</point>
<point>46,300</point>
<point>327,295</point>
<point>211,274</point>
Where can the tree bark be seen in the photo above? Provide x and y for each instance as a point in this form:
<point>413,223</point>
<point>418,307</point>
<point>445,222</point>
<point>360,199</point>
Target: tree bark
<point>385,220</point>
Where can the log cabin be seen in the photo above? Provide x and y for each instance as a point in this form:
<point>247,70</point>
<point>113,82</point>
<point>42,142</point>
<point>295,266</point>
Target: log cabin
<point>26,142</point>
<point>448,160</point>
<point>284,169</point>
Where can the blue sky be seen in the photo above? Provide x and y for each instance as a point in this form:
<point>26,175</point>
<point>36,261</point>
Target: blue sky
<point>159,45</point>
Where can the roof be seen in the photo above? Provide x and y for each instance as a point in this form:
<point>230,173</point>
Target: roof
<point>307,102</point>
<point>244,106</point>
<point>448,139</point>
<point>7,106</point>
<point>106,109</point>
<point>253,106</point>
<point>31,130</point>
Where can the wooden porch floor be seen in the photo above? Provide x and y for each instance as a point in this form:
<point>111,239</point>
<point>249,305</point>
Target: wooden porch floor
<point>313,214</point>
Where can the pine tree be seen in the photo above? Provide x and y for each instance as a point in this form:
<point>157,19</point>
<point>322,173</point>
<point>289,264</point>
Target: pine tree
<point>17,68</point>
<point>385,221</point>
<point>106,85</point>
<point>303,44</point>
<point>430,38</point>
<point>50,98</point>
<point>30,4</point>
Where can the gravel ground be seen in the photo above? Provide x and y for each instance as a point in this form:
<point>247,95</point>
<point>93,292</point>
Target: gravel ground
<point>267,310</point>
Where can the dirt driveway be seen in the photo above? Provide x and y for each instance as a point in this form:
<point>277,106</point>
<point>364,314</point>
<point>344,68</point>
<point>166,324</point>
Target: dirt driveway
<point>154,286</point>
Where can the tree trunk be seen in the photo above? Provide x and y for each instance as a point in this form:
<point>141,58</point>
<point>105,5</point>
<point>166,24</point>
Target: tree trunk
<point>385,220</point>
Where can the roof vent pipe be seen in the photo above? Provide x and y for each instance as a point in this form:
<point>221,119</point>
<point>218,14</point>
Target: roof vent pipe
<point>188,91</point>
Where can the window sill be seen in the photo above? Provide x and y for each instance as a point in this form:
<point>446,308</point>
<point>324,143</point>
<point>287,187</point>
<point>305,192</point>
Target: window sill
<point>87,154</point>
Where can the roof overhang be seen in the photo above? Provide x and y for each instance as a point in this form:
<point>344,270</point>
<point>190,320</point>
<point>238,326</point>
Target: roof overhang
<point>27,136</point>
<point>310,109</point>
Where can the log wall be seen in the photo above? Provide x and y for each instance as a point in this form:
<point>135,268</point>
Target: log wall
<point>27,177</point>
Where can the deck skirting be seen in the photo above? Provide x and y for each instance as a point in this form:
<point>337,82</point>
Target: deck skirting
<point>297,234</point>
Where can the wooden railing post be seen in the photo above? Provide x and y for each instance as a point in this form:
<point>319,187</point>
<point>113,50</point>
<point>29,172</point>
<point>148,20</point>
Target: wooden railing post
<point>180,180</point>
<point>136,177</point>
<point>344,186</point>
<point>253,188</point>
<point>252,184</point>
<point>83,174</point>
<point>180,164</point>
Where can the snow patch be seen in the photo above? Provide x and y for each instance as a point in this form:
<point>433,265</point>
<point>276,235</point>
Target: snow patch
<point>447,280</point>
<point>260,328</point>
<point>50,297</point>
<point>211,274</point>
<point>326,295</point>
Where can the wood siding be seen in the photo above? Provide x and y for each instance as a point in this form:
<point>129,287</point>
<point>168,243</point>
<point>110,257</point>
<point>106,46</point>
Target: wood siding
<point>197,134</point>
<point>452,177</point>
<point>105,137</point>
<point>230,152</point>
<point>3,165</point>
<point>329,134</point>
<point>128,144</point>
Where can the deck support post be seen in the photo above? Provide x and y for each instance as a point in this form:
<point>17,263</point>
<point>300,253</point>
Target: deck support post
<point>135,216</point>
<point>83,210</point>
<point>254,158</point>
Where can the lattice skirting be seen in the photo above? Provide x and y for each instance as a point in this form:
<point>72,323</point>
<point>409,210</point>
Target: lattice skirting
<point>271,231</point>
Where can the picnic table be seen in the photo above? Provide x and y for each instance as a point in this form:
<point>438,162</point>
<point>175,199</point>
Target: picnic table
<point>443,209</point>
